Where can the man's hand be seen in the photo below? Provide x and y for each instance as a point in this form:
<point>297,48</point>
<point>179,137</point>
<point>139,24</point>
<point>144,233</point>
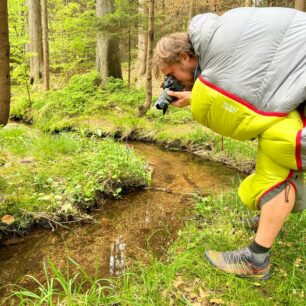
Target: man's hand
<point>183,98</point>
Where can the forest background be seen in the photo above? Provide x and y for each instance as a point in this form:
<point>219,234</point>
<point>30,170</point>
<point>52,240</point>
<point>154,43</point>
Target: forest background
<point>71,37</point>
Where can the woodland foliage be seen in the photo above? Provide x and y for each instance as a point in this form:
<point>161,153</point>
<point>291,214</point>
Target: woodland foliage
<point>73,27</point>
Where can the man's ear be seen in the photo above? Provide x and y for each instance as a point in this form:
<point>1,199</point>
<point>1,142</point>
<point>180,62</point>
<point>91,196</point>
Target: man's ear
<point>184,57</point>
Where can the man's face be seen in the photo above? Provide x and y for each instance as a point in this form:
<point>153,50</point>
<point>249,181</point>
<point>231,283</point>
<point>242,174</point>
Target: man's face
<point>182,71</point>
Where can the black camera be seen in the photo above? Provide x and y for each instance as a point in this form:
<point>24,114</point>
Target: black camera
<point>164,99</point>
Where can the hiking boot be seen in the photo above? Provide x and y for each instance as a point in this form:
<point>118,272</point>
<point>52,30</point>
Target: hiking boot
<point>242,263</point>
<point>251,222</point>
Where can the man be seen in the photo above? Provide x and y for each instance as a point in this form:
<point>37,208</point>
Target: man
<point>251,64</point>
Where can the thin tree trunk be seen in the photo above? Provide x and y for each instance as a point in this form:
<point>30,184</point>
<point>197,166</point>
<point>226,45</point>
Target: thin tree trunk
<point>4,64</point>
<point>130,59</point>
<point>45,43</point>
<point>299,5</point>
<point>107,56</point>
<point>142,41</point>
<point>35,47</point>
<point>144,108</point>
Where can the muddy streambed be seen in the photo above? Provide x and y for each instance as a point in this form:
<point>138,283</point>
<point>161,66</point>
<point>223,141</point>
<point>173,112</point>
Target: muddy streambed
<point>141,223</point>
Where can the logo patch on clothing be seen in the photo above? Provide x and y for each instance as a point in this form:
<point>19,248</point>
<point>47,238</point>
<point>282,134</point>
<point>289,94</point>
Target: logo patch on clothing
<point>229,108</point>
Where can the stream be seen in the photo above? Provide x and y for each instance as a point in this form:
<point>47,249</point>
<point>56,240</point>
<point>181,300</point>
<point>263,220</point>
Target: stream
<point>134,227</point>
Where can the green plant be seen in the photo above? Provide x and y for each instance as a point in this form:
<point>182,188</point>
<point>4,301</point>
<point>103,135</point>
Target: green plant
<point>63,174</point>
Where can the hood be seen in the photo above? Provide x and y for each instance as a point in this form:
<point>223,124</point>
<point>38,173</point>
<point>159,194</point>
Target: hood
<point>201,30</point>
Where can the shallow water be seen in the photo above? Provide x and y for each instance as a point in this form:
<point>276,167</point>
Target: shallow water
<point>140,224</point>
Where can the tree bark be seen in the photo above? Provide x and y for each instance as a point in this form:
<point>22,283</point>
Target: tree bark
<point>144,108</point>
<point>45,43</point>
<point>142,41</point>
<point>299,5</point>
<point>129,59</point>
<point>4,64</point>
<point>107,56</point>
<point>248,3</point>
<point>35,46</point>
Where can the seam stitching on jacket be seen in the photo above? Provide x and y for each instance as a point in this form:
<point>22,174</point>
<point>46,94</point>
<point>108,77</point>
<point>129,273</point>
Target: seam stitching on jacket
<point>240,35</point>
<point>209,37</point>
<point>265,79</point>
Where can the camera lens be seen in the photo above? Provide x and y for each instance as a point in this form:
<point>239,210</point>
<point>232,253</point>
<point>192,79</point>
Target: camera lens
<point>160,104</point>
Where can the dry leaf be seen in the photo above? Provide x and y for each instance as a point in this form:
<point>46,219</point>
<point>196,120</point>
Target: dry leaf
<point>257,284</point>
<point>187,290</point>
<point>165,293</point>
<point>178,282</point>
<point>297,262</point>
<point>203,294</point>
<point>193,296</point>
<point>217,301</point>
<point>8,219</point>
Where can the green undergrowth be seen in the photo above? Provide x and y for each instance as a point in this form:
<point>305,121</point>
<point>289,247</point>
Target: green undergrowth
<point>184,277</point>
<point>58,109</point>
<point>82,106</point>
<point>60,175</point>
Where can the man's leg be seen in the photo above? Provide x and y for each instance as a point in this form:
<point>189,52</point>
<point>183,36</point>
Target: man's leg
<point>273,215</point>
<point>261,186</point>
<point>253,261</point>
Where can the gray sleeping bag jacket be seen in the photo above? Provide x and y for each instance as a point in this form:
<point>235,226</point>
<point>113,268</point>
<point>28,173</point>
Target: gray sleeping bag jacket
<point>257,54</point>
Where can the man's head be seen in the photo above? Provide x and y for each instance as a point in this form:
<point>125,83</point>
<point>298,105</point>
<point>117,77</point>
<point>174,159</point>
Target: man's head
<point>174,55</point>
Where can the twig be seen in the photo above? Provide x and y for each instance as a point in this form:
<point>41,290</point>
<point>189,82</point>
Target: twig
<point>168,190</point>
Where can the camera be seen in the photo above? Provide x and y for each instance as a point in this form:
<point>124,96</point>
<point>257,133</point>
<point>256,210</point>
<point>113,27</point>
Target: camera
<point>164,99</point>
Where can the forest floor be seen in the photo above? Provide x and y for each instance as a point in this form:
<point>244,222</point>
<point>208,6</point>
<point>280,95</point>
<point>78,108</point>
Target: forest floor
<point>183,277</point>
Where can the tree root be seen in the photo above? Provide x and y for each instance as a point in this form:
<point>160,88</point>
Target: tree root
<point>54,220</point>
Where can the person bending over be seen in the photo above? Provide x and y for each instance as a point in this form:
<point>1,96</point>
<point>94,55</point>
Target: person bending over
<point>244,75</point>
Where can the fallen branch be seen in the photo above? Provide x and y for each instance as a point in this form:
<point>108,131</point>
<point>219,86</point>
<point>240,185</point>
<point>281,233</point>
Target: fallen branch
<point>168,190</point>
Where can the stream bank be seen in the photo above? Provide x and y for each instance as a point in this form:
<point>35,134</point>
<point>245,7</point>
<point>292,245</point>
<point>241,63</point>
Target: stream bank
<point>135,227</point>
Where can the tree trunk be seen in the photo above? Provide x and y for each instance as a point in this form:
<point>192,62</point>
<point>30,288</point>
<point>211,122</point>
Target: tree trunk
<point>4,64</point>
<point>144,108</point>
<point>130,59</point>
<point>299,5</point>
<point>107,57</point>
<point>142,41</point>
<point>35,46</point>
<point>44,4</point>
<point>248,3</point>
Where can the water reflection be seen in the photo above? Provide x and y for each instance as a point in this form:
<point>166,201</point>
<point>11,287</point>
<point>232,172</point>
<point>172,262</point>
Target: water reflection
<point>117,258</point>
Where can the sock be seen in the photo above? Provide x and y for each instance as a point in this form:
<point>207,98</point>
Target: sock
<point>259,252</point>
<point>257,248</point>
